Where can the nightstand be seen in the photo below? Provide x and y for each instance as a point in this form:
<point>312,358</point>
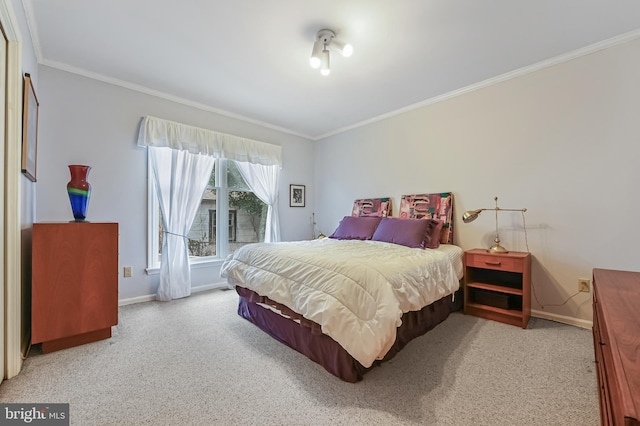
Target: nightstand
<point>498,286</point>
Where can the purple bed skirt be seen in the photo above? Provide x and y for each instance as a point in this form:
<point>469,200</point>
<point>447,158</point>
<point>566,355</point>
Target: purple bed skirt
<point>307,338</point>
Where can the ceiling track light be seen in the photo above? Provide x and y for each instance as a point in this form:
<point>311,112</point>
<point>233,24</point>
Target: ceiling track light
<point>325,39</point>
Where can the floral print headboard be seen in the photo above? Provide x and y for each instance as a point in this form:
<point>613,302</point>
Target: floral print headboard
<point>430,206</point>
<point>380,207</point>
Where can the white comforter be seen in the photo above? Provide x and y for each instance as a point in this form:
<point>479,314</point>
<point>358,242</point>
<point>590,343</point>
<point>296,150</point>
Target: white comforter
<point>356,290</point>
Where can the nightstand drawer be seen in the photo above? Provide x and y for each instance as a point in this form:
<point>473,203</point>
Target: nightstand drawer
<point>488,261</point>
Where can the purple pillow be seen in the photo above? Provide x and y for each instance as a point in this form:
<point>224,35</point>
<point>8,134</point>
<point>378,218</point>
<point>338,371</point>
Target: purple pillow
<point>406,232</point>
<point>432,235</point>
<point>356,228</point>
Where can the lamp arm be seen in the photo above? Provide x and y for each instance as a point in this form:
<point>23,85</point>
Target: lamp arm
<point>504,210</point>
<point>512,210</point>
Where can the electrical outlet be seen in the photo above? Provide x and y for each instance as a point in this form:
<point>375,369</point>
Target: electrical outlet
<point>127,271</point>
<point>584,285</point>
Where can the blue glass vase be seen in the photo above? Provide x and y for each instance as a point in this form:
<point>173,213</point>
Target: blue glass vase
<point>79,191</point>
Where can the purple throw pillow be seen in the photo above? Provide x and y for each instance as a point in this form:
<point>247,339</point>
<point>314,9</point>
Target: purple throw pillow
<point>356,228</point>
<point>406,232</point>
<point>432,235</point>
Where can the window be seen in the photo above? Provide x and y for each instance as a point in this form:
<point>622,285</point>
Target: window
<point>233,217</point>
<point>241,219</point>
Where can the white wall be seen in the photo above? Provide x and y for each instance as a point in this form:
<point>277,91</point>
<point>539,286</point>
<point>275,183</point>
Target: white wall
<point>85,121</point>
<point>562,142</point>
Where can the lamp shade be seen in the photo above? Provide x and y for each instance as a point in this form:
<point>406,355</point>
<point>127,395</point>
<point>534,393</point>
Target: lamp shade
<point>324,65</point>
<point>471,215</point>
<point>345,49</point>
<point>315,61</point>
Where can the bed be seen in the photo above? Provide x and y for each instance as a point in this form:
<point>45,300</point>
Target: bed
<point>354,300</point>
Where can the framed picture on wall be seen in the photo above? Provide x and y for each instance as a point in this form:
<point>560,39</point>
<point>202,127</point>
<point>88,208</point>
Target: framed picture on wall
<point>29,130</point>
<point>296,195</point>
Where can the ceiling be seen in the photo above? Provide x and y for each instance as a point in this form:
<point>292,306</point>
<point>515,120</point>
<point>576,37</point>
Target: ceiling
<point>250,58</point>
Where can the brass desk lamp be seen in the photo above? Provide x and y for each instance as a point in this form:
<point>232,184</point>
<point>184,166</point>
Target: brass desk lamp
<point>471,215</point>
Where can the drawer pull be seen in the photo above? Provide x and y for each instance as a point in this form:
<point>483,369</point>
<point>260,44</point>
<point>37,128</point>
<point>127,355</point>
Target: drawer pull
<point>492,263</point>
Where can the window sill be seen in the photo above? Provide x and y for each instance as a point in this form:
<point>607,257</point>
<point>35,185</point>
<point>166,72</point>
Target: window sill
<point>193,263</point>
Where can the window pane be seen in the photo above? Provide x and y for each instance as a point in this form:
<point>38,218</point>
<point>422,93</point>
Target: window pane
<point>247,219</point>
<point>202,237</point>
<point>234,178</point>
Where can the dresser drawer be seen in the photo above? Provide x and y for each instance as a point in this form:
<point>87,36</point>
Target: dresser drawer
<point>487,261</point>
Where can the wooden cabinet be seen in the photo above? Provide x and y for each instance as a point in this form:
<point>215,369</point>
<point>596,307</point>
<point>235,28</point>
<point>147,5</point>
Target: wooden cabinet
<point>74,283</point>
<point>498,286</point>
<point>616,339</point>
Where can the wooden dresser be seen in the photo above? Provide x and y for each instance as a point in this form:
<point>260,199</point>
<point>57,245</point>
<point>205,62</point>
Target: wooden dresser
<point>74,283</point>
<point>616,338</point>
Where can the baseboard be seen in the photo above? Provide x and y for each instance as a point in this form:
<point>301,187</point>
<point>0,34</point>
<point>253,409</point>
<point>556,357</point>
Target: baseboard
<point>562,319</point>
<point>151,297</point>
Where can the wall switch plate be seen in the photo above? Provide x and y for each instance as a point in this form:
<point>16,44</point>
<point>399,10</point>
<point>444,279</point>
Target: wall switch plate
<point>127,271</point>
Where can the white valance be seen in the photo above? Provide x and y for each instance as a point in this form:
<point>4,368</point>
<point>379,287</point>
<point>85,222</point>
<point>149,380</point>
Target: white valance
<point>164,133</point>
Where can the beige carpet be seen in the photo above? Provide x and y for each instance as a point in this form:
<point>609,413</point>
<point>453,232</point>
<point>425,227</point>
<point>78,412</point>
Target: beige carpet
<point>195,362</point>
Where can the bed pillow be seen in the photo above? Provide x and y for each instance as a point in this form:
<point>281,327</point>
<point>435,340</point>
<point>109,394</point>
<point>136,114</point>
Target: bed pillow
<point>432,234</point>
<point>356,228</point>
<point>406,232</point>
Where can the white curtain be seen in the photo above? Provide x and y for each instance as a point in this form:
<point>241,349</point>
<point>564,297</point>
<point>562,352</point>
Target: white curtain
<point>264,181</point>
<point>180,180</point>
